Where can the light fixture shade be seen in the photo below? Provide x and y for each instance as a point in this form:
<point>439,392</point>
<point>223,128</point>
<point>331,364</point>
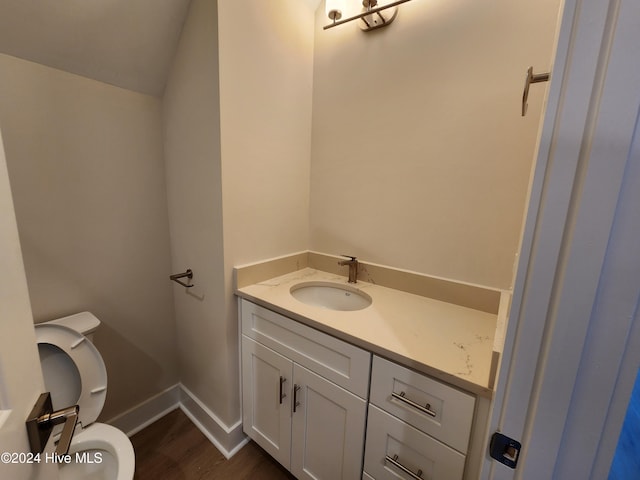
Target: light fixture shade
<point>334,9</point>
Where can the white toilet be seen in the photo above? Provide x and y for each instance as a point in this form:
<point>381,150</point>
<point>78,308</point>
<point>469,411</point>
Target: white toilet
<point>75,374</point>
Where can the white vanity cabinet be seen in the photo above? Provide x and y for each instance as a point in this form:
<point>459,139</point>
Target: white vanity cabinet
<point>418,428</point>
<point>303,395</point>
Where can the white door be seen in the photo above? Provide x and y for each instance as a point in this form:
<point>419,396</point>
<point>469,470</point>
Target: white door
<point>20,374</point>
<point>327,439</point>
<point>571,350</point>
<point>266,399</point>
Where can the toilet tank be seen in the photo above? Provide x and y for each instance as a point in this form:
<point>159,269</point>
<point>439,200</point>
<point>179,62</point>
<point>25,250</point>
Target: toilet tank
<point>84,322</point>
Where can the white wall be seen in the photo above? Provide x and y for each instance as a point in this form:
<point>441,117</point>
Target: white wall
<point>85,162</point>
<point>266,55</point>
<point>420,158</point>
<point>192,155</point>
<point>237,127</point>
<point>106,188</point>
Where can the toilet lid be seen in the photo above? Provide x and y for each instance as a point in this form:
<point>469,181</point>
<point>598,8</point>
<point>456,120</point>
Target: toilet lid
<point>73,370</point>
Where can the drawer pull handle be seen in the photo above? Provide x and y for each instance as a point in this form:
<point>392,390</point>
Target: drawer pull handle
<point>394,461</point>
<point>296,403</point>
<point>282,394</point>
<point>426,409</point>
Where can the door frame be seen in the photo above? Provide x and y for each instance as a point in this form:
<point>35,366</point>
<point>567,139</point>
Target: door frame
<point>571,250</point>
<point>21,381</point>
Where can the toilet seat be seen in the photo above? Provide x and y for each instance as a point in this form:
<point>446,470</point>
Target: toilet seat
<point>89,375</point>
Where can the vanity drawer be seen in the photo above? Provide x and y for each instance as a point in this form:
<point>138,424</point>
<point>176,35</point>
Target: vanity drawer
<point>394,448</point>
<point>431,406</point>
<point>329,357</point>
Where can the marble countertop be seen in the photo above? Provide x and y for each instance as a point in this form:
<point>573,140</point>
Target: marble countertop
<point>446,341</point>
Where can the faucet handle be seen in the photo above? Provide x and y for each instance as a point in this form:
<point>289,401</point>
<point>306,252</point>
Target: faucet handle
<point>353,259</point>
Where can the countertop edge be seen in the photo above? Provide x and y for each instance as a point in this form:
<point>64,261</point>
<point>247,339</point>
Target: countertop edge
<point>373,348</point>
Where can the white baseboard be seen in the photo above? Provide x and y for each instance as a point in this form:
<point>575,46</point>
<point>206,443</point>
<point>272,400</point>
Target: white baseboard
<point>147,412</point>
<point>228,440</point>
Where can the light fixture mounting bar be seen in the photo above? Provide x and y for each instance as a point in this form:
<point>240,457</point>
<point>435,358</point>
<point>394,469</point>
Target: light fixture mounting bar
<point>365,14</point>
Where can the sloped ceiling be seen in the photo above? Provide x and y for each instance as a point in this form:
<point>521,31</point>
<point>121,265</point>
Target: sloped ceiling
<point>128,43</point>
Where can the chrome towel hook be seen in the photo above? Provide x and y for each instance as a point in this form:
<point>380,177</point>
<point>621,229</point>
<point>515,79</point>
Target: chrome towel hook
<point>177,276</point>
<point>529,79</point>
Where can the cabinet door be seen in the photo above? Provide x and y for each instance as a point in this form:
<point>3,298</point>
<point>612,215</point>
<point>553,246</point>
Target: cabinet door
<point>327,431</point>
<point>266,399</point>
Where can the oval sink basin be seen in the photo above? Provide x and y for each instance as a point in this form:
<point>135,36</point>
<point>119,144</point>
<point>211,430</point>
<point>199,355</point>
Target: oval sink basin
<point>332,296</point>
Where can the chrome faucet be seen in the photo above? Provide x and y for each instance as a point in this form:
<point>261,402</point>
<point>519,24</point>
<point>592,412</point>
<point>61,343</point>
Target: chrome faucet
<point>353,267</point>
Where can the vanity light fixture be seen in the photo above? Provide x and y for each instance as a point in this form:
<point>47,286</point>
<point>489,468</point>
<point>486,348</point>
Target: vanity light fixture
<point>372,17</point>
<point>334,9</point>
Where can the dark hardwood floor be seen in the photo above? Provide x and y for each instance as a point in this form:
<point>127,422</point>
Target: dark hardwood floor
<point>174,449</point>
